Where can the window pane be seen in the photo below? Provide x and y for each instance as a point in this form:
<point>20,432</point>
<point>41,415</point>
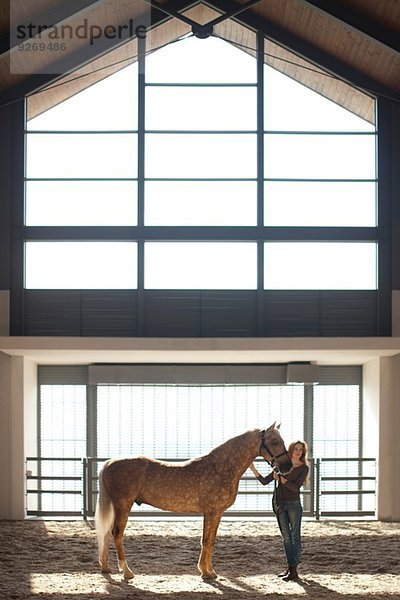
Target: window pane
<point>63,420</point>
<point>201,108</point>
<point>291,106</point>
<point>337,413</point>
<point>81,265</point>
<point>200,265</point>
<point>336,410</point>
<point>184,421</point>
<point>200,203</point>
<point>201,155</point>
<point>200,61</point>
<point>320,156</point>
<point>80,155</point>
<point>114,99</point>
<point>323,204</point>
<point>320,265</point>
<point>62,435</point>
<point>81,203</point>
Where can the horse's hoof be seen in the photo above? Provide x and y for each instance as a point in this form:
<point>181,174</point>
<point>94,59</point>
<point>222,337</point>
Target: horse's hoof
<point>129,575</point>
<point>105,570</point>
<point>211,575</point>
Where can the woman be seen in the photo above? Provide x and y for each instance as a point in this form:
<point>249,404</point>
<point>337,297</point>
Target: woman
<point>287,506</point>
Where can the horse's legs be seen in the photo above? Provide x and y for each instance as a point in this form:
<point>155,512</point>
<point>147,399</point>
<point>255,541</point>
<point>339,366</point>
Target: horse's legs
<point>103,557</point>
<point>210,526</point>
<point>121,519</point>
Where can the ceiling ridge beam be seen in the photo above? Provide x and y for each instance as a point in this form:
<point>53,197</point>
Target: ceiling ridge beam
<point>308,51</point>
<point>358,21</point>
<point>167,9</point>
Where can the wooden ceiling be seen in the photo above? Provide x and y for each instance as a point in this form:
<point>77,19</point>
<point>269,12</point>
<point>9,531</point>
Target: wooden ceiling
<point>353,46</point>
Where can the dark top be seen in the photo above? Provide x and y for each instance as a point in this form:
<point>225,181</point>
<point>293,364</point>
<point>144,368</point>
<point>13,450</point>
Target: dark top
<point>290,490</point>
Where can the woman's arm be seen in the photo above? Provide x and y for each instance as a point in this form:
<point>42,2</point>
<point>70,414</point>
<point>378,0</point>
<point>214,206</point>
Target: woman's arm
<point>294,480</point>
<point>261,479</point>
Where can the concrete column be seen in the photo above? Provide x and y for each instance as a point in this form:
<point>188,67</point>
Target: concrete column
<point>389,440</point>
<point>17,431</point>
<point>370,420</point>
<point>5,441</point>
<point>12,491</point>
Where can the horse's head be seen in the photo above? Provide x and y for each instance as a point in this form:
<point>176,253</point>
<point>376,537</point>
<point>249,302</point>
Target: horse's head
<point>273,449</point>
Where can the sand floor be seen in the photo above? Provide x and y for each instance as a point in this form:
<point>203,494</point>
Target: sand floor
<point>57,560</point>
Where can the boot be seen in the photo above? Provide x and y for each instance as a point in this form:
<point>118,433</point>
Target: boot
<point>292,575</point>
<point>285,572</point>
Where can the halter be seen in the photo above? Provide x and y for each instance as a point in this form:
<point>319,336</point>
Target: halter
<point>273,457</point>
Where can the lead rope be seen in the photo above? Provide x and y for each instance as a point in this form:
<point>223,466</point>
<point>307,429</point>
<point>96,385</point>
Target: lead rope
<point>276,487</point>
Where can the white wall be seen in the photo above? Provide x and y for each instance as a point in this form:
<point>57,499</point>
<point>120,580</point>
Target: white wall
<point>381,430</point>
<point>12,492</point>
<point>370,395</point>
<point>5,441</point>
<point>389,440</point>
<point>30,407</point>
<point>17,431</point>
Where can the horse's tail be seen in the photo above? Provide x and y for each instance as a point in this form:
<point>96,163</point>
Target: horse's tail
<point>104,516</point>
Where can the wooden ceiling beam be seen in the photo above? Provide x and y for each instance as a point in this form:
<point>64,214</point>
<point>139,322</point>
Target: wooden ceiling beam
<point>308,51</point>
<point>358,21</point>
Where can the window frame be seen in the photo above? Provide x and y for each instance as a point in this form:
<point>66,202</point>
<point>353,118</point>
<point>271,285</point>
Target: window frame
<point>259,233</point>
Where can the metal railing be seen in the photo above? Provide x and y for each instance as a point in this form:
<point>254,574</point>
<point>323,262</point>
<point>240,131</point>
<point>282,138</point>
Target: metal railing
<point>325,480</point>
<point>68,487</point>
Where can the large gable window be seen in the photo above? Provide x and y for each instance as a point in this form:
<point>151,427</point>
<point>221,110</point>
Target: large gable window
<point>203,171</point>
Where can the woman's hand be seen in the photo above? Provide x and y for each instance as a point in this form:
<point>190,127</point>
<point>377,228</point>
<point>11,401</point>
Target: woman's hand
<point>281,478</point>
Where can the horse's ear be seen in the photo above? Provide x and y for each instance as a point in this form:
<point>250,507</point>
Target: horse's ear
<point>272,426</point>
<point>278,426</point>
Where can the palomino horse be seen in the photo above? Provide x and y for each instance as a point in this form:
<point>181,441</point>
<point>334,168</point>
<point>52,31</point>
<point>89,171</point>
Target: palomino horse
<point>207,485</point>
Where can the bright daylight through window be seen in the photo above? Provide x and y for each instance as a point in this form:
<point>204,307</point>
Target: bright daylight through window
<point>204,154</point>
<point>176,422</point>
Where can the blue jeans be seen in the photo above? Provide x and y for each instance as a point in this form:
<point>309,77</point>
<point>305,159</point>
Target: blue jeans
<point>289,520</point>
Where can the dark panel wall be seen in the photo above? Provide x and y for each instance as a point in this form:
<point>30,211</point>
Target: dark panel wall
<point>5,195</point>
<point>394,159</point>
<point>200,314</point>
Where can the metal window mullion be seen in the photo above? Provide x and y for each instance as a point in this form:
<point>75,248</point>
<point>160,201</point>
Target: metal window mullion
<point>91,420</point>
<point>141,129</point>
<point>260,182</point>
<point>201,131</point>
<point>17,192</point>
<point>308,436</point>
<point>385,164</point>
<point>360,447</point>
<point>309,417</point>
<point>199,84</point>
<point>80,131</point>
<point>140,187</point>
<point>39,444</point>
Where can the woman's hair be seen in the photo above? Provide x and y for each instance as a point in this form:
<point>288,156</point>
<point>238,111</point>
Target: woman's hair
<point>303,457</point>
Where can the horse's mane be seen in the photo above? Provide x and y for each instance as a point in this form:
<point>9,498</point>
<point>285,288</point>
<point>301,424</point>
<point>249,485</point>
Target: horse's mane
<point>233,441</point>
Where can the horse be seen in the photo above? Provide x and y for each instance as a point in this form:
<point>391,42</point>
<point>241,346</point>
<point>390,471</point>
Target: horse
<point>205,485</point>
